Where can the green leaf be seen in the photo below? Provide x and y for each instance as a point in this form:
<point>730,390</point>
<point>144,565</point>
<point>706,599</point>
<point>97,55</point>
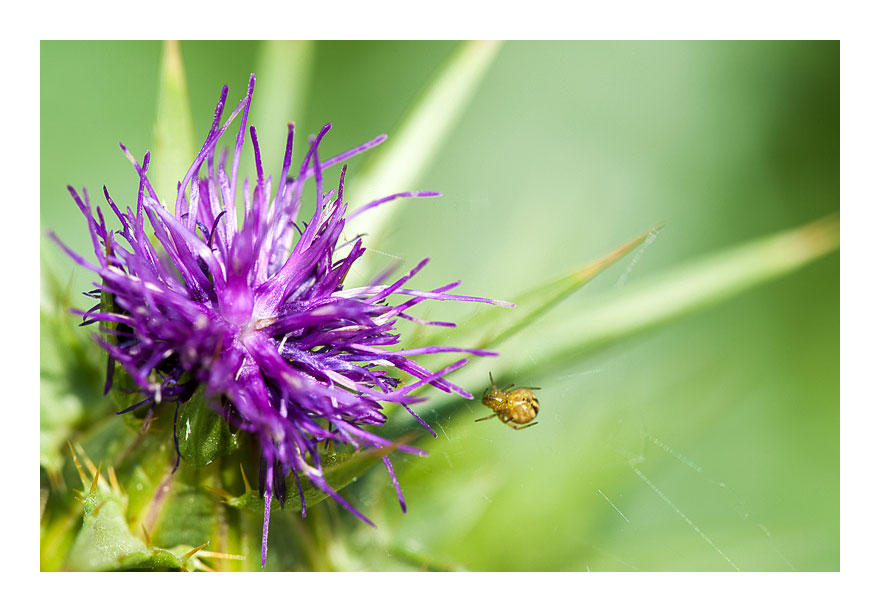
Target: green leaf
<point>173,135</point>
<point>399,163</point>
<point>104,541</point>
<point>189,513</point>
<point>158,560</point>
<point>110,539</point>
<point>203,435</point>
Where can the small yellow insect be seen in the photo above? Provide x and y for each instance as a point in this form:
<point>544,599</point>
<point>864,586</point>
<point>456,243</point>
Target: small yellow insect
<point>514,408</point>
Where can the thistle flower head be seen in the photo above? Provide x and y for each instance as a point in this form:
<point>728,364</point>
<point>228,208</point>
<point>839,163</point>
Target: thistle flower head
<point>256,313</point>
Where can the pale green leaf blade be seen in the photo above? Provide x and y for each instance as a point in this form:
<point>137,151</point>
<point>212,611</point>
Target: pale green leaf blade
<point>174,145</point>
<point>284,73</point>
<point>494,326</point>
<point>685,289</point>
<point>409,151</point>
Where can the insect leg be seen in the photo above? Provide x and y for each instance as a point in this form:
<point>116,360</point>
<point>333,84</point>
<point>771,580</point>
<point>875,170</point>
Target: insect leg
<point>491,416</point>
<point>518,427</point>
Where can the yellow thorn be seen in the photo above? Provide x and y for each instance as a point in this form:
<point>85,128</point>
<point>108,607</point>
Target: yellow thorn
<point>219,492</point>
<point>89,465</point>
<point>79,467</point>
<point>111,473</point>
<point>220,555</point>
<point>147,539</point>
<point>97,476</point>
<point>98,508</point>
<point>195,550</point>
<point>247,485</point>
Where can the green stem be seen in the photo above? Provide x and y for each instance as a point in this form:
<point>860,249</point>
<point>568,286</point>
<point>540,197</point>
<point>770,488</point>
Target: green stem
<point>400,162</point>
<point>173,134</point>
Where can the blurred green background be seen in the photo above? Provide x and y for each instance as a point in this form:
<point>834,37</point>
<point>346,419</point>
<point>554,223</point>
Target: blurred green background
<point>710,443</point>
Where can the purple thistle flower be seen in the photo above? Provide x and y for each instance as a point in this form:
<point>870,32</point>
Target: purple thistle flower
<point>256,316</point>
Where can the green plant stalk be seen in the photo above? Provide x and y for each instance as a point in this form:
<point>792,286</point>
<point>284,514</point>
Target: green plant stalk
<point>688,288</point>
<point>399,163</point>
<point>173,134</point>
<point>284,71</point>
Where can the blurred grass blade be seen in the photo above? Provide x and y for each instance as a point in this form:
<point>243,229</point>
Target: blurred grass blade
<point>693,286</point>
<point>284,72</point>
<point>495,325</point>
<point>399,163</point>
<point>173,136</point>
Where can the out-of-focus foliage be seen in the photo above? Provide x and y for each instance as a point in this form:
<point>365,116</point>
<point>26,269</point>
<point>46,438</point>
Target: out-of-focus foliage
<point>707,444</point>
